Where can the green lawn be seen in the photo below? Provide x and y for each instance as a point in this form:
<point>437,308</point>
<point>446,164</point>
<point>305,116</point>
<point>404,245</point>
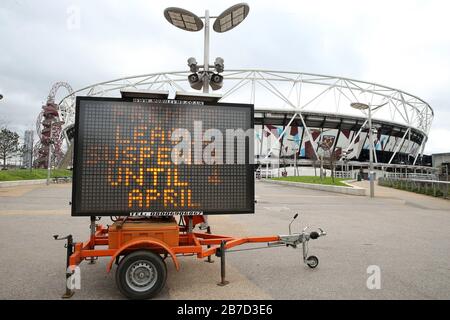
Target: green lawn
<point>25,174</point>
<point>316,180</point>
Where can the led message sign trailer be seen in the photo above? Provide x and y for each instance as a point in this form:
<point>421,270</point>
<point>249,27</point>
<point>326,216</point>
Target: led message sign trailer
<point>162,157</point>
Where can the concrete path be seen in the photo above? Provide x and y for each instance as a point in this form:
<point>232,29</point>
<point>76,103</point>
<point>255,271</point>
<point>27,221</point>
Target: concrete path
<point>406,235</point>
<point>409,198</point>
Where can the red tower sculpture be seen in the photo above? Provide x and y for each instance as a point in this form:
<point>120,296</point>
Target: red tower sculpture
<point>49,127</point>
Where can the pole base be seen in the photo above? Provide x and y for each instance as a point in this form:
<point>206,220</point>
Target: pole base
<point>69,294</point>
<point>223,283</point>
<point>209,260</point>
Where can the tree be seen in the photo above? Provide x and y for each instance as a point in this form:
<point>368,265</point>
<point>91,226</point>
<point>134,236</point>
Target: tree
<point>331,157</point>
<point>24,152</point>
<point>9,144</point>
<point>327,151</point>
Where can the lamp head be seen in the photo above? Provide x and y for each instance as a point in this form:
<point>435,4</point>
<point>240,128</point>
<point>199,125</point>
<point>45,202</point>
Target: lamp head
<point>359,106</point>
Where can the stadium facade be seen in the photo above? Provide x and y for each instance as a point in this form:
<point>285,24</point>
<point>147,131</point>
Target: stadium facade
<point>296,114</point>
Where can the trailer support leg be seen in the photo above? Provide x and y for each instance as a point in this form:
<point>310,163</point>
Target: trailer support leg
<point>69,245</point>
<point>92,229</point>
<point>209,260</point>
<point>190,224</point>
<point>222,282</point>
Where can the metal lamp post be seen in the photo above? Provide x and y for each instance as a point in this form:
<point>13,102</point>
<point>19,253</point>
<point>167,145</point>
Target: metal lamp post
<point>345,159</point>
<point>188,21</point>
<point>206,53</point>
<point>363,106</point>
<point>296,172</point>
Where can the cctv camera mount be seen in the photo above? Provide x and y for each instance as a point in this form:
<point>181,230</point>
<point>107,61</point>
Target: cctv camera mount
<point>202,76</point>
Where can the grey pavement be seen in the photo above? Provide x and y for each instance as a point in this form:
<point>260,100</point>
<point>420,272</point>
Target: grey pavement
<point>406,235</point>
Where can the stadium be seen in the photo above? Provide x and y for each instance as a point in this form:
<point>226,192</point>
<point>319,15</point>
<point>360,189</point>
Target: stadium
<point>299,117</point>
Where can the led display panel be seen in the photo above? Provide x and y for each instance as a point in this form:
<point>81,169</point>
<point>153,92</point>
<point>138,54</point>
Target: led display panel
<point>150,157</point>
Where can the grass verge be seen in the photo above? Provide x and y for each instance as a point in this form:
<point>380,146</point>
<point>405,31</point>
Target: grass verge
<point>26,174</point>
<point>315,180</point>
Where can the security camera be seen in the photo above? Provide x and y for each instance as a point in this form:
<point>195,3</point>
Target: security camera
<point>192,63</point>
<point>216,81</point>
<point>195,82</point>
<point>219,64</point>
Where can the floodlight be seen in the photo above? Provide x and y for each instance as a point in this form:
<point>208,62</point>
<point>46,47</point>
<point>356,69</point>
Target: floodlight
<point>188,21</point>
<point>231,17</point>
<point>183,19</point>
<point>359,106</point>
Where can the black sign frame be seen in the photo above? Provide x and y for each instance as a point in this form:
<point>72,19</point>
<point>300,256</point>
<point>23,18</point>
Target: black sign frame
<point>77,169</point>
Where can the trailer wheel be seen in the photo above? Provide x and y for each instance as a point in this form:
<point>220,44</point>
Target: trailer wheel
<point>141,275</point>
<point>312,261</point>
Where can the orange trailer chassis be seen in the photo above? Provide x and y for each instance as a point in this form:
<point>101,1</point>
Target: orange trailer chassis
<point>190,244</point>
<point>201,244</point>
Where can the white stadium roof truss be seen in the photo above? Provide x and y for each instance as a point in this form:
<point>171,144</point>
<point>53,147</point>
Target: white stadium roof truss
<point>289,92</point>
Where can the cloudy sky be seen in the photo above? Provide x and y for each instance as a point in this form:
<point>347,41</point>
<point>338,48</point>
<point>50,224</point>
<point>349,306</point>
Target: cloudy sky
<point>402,44</point>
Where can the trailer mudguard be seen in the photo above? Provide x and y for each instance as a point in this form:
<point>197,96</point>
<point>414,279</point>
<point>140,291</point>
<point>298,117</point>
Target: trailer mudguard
<point>144,243</point>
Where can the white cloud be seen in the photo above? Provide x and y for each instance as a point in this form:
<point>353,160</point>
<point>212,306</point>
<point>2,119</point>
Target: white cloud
<point>404,44</point>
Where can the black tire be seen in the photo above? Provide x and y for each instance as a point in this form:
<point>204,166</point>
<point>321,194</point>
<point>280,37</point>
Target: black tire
<point>312,262</point>
<point>141,275</point>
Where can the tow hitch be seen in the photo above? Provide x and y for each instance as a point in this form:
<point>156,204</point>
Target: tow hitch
<point>295,239</point>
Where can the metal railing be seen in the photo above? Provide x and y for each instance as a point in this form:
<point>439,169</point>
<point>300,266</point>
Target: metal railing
<point>413,176</point>
<point>434,188</point>
<point>344,174</point>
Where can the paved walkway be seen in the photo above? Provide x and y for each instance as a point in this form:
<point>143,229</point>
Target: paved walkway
<point>409,198</point>
<point>406,235</point>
